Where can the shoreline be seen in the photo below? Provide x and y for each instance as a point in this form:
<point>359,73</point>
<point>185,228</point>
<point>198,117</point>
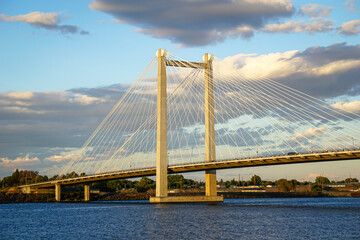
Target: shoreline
<point>17,197</point>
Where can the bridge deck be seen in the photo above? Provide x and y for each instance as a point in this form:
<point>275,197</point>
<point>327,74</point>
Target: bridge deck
<point>235,163</point>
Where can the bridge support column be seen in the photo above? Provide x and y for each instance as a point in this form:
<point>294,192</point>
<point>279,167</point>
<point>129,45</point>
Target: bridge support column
<point>161,151</point>
<point>86,193</point>
<point>210,154</point>
<point>57,192</point>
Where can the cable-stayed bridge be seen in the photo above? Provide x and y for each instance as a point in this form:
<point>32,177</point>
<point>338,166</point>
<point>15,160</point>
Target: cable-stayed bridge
<point>182,116</point>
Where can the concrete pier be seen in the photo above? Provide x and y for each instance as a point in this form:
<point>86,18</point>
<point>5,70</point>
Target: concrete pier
<point>187,199</point>
<point>57,192</point>
<point>86,193</point>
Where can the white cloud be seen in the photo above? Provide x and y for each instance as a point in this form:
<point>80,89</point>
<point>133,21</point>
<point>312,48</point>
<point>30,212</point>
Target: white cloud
<point>26,95</point>
<point>86,100</point>
<point>309,133</point>
<point>350,28</point>
<point>353,107</point>
<point>22,110</point>
<point>273,65</point>
<point>19,162</point>
<point>315,10</point>
<point>34,18</point>
<point>62,158</point>
<point>49,21</point>
<point>336,67</point>
<point>314,26</point>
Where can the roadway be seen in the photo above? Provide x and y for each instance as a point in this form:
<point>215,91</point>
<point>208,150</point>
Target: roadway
<point>194,167</point>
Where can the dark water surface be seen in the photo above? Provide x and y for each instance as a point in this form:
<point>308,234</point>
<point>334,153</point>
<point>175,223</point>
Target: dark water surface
<point>291,218</point>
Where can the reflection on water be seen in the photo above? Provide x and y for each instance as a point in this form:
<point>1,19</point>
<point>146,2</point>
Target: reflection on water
<point>291,218</point>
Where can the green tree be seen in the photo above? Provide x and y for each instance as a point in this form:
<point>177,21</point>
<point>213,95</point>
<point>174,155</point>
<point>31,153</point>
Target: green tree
<point>15,178</point>
<point>102,186</point>
<point>319,180</point>
<point>255,180</point>
<point>23,177</point>
<point>176,181</point>
<point>351,180</point>
<point>7,181</point>
<point>114,185</point>
<point>285,185</point>
<point>316,188</point>
<point>144,184</point>
<point>54,177</point>
<point>234,182</point>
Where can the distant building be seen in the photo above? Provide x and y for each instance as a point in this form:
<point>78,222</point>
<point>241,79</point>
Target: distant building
<point>174,191</point>
<point>335,185</point>
<point>251,187</point>
<point>253,190</point>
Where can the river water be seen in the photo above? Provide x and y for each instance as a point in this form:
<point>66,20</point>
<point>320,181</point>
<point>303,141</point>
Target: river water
<point>285,218</point>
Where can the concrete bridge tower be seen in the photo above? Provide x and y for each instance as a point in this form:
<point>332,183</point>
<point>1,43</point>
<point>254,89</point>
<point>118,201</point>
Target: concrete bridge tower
<point>161,150</point>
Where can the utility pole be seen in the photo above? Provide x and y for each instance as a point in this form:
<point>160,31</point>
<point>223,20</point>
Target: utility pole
<point>322,182</point>
<point>350,179</point>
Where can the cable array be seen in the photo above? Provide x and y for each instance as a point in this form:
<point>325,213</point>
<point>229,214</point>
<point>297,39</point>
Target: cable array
<point>254,117</point>
<point>276,119</point>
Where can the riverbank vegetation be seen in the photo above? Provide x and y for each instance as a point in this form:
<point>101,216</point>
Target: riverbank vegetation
<point>179,182</point>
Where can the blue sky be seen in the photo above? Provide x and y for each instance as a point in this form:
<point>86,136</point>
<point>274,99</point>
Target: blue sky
<point>35,59</point>
<point>95,44</point>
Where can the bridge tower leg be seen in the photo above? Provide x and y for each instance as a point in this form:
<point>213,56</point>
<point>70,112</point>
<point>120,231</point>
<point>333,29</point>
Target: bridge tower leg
<point>57,192</point>
<point>86,193</point>
<point>210,154</point>
<point>161,151</point>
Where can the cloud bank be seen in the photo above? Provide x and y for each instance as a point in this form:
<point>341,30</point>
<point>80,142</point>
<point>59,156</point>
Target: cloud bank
<point>198,22</point>
<point>324,72</point>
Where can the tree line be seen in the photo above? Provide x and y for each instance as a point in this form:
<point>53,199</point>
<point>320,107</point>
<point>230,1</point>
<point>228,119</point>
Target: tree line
<point>176,181</point>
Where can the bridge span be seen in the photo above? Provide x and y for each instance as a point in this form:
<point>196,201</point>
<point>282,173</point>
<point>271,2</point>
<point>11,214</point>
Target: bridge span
<point>194,167</point>
<point>248,112</point>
